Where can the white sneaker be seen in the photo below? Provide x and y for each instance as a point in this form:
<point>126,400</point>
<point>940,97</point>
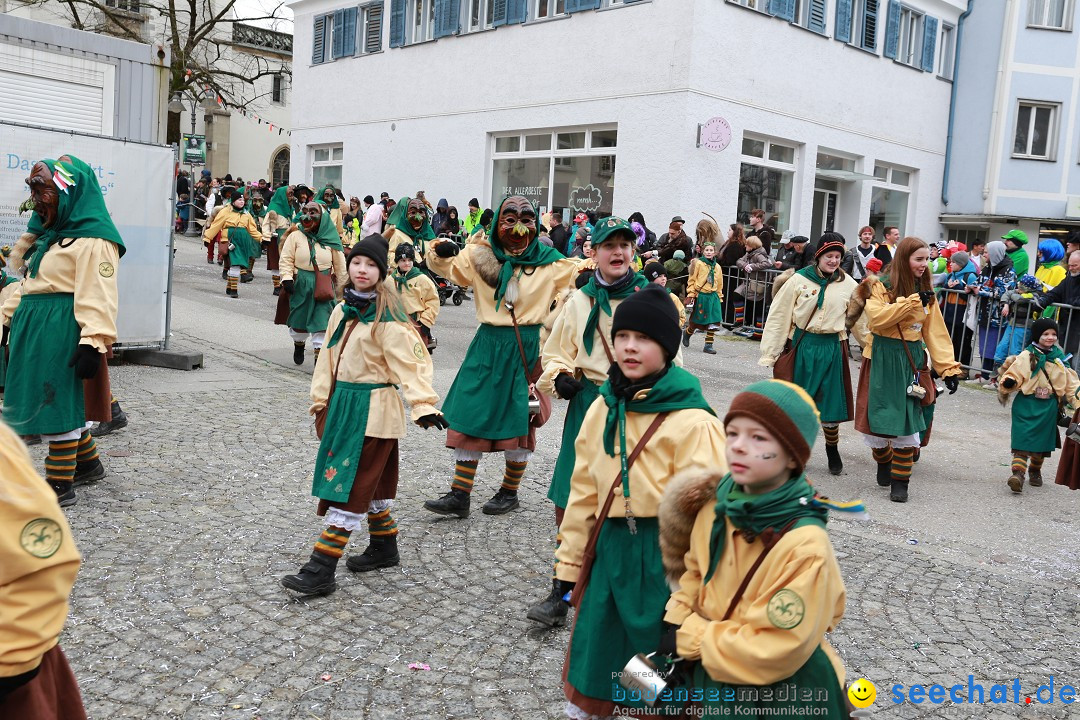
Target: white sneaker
<point>714,326</point>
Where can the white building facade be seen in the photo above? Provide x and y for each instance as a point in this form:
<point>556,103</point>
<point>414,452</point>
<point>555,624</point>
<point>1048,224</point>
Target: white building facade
<point>827,114</point>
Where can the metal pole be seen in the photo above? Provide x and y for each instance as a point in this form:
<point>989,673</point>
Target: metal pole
<point>191,193</point>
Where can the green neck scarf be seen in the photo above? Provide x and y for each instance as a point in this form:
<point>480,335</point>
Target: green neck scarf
<point>326,236</point>
<point>260,214</point>
<point>536,254</point>
<point>810,272</point>
<point>753,514</point>
<point>602,298</point>
<point>332,205</point>
<point>1042,356</point>
<point>676,389</point>
<point>712,269</point>
<point>403,280</point>
<point>365,316</point>
<point>1051,263</point>
<point>279,202</point>
<point>399,218</point>
<point>81,211</point>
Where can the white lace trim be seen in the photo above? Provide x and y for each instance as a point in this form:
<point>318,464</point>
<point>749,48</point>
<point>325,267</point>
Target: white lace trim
<point>517,455</point>
<point>904,441</point>
<point>467,455</point>
<point>339,518</point>
<point>576,713</point>
<point>377,506</point>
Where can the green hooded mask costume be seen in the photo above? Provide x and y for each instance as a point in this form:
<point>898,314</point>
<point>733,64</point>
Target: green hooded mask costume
<point>319,198</point>
<point>326,235</point>
<point>536,254</point>
<point>399,218</point>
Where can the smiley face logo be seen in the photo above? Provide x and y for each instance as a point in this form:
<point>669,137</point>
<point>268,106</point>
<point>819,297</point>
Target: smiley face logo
<point>862,693</point>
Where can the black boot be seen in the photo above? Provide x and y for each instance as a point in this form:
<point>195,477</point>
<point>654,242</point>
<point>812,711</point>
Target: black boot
<point>298,353</point>
<point>119,420</point>
<point>65,493</point>
<point>917,455</point>
<point>246,277</point>
<point>232,293</point>
<point>884,474</point>
<point>31,439</point>
<point>455,502</point>
<point>381,552</point>
<point>88,472</point>
<point>836,465</point>
<point>552,610</point>
<point>277,291</point>
<point>315,578</point>
<point>501,503</point>
<point>686,339</point>
<point>898,493</point>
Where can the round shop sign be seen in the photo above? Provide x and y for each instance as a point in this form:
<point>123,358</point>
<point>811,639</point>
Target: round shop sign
<point>715,134</point>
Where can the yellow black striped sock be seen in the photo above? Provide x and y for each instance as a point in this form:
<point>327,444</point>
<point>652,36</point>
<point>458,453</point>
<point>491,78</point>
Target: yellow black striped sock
<point>882,455</point>
<point>1036,462</point>
<point>232,282</point>
<point>832,434</point>
<point>902,461</point>
<point>1020,463</point>
<point>382,524</point>
<point>464,475</point>
<point>710,335</point>
<point>333,540</point>
<point>87,448</point>
<point>60,462</point>
<point>513,474</point>
<point>277,280</point>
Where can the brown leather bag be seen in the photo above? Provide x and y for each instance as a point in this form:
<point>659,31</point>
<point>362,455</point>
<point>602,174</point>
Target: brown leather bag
<point>324,284</point>
<point>925,380</point>
<point>531,376</point>
<point>784,367</point>
<point>589,555</point>
<point>320,415</point>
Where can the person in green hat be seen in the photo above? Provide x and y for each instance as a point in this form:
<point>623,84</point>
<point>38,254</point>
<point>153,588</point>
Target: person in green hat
<point>328,198</point>
<point>408,223</point>
<point>61,320</point>
<point>1015,240</point>
<point>279,216</point>
<point>516,278</point>
<point>314,247</point>
<point>234,228</point>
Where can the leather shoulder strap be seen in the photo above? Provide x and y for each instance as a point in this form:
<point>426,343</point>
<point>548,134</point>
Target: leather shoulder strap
<point>607,348</point>
<point>645,437</point>
<point>770,543</point>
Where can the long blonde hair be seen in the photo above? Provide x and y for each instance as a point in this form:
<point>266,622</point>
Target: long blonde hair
<point>384,301</point>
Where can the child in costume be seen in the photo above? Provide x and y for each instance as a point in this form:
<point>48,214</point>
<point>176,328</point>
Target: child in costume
<point>657,274</point>
<point>415,291</point>
<point>743,625</point>
<point>650,422</point>
<point>1045,385</point>
<point>356,470</point>
<point>705,289</point>
<point>236,230</point>
<point>278,218</point>
<point>328,198</point>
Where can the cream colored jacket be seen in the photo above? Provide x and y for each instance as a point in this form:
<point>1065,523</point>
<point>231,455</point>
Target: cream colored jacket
<point>420,297</point>
<point>792,307</point>
<point>296,255</point>
<point>1062,381</point>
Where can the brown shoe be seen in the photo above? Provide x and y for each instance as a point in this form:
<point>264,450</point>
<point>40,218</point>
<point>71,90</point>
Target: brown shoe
<point>1016,482</point>
<point>1035,477</point>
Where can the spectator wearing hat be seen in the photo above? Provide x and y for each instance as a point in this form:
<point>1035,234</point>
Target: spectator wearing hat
<point>415,291</point>
<point>808,318</point>
<point>997,278</point>
<point>796,254</point>
<point>1015,240</point>
<point>674,239</point>
<point>677,274</point>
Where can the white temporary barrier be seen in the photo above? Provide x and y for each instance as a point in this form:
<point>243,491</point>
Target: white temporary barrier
<point>137,182</point>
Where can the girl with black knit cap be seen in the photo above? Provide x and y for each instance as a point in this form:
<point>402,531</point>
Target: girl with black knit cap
<point>808,314</point>
<point>373,347</point>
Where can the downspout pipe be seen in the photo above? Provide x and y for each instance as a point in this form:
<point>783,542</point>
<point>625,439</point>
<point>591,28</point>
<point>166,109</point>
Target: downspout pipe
<point>952,104</point>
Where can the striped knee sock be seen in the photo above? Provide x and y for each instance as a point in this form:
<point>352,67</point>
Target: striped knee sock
<point>1020,463</point>
<point>710,335</point>
<point>464,475</point>
<point>513,474</point>
<point>382,524</point>
<point>759,328</point>
<point>882,455</point>
<point>832,435</point>
<point>87,448</point>
<point>60,462</point>
<point>902,461</point>
<point>232,282</point>
<point>277,280</point>
<point>333,540</point>
<point>740,313</point>
<point>1036,462</point>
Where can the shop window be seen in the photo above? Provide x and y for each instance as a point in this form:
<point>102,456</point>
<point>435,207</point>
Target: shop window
<point>508,144</point>
<point>571,141</point>
<point>537,143</point>
<point>967,236</point>
<point>529,177</point>
<point>888,207</point>
<point>326,164</point>
<point>768,189</point>
<point>1036,127</point>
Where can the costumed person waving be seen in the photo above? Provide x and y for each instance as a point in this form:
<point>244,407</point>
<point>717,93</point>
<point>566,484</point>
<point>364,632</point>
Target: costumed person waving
<point>408,223</point>
<point>279,216</point>
<point>235,230</point>
<point>62,320</point>
<point>313,248</point>
<point>807,325</point>
<point>705,289</point>
<point>517,278</point>
<point>894,408</point>
<point>328,198</point>
<point>373,349</point>
<point>415,291</point>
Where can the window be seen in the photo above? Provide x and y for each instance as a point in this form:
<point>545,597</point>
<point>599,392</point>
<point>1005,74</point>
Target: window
<point>889,197</point>
<point>326,162</point>
<point>1053,14</point>
<point>1036,128</point>
<point>766,176</point>
<point>810,14</point>
<point>371,28</point>
<point>481,14</point>
<point>911,37</point>
<point>549,8</point>
<point>320,38</point>
<point>277,89</point>
<point>128,5</point>
<point>421,20</point>
<point>761,5</point>
<point>826,161</point>
<point>535,143</point>
<point>892,175</point>
<point>946,52</point>
<point>967,236</point>
<point>280,174</point>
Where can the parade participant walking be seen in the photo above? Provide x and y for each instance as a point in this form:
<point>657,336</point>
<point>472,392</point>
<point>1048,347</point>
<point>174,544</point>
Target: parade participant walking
<point>354,387</point>
<point>62,320</point>
<point>652,423</point>
<point>239,237</point>
<point>314,247</point>
<point>760,565</point>
<point>807,323</point>
<point>257,208</point>
<point>705,289</point>
<point>516,278</point>
<point>38,562</point>
<point>408,223</point>
<point>894,380</point>
<point>1046,386</point>
<point>415,291</point>
<point>279,216</point>
<point>656,274</point>
<point>328,198</point>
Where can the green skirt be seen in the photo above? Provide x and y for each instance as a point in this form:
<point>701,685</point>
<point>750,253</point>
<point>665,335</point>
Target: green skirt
<point>1034,424</point>
<point>621,612</point>
<point>889,410</point>
<point>819,369</point>
<point>244,247</point>
<point>707,309</point>
<point>490,396</point>
<point>342,440</point>
<point>42,395</point>
<point>304,313</point>
<point>559,492</point>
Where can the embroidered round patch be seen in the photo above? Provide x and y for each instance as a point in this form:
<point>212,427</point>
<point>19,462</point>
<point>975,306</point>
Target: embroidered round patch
<point>106,269</point>
<point>418,351</point>
<point>786,609</point>
<point>42,537</point>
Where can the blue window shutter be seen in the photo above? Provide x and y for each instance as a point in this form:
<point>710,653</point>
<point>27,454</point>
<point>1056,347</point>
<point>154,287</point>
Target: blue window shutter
<point>397,23</point>
<point>930,25</point>
<point>338,34</point>
<point>498,12</point>
<point>441,12</point>
<point>573,6</point>
<point>892,30</point>
<point>516,12</point>
<point>868,41</point>
<point>453,20</point>
<point>817,16</point>
<point>318,40</point>
<point>348,35</point>
<point>842,31</point>
<point>784,9</point>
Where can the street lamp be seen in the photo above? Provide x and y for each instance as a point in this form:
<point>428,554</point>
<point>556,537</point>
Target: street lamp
<point>176,105</point>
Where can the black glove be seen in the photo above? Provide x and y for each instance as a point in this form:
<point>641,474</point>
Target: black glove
<point>4,336</point>
<point>952,382</point>
<point>446,249</point>
<point>288,285</point>
<point>434,420</point>
<point>667,640</point>
<point>925,296</point>
<point>1008,383</point>
<point>567,386</point>
<point>86,361</point>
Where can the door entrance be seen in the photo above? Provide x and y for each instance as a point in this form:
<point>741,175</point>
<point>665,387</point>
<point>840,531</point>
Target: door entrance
<point>823,219</point>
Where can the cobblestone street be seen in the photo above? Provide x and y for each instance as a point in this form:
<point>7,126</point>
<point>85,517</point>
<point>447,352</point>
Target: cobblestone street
<point>178,612</point>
